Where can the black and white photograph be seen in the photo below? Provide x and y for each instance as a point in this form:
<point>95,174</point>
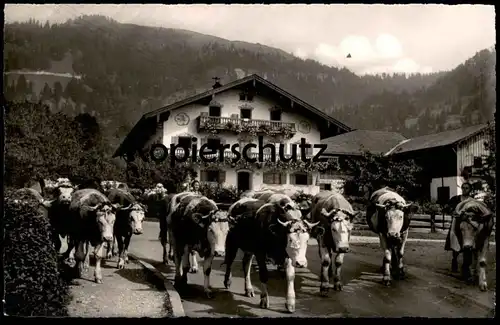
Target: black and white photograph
<point>249,160</point>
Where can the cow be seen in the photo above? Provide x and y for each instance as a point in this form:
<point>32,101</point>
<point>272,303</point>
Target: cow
<point>335,214</point>
<point>470,230</point>
<point>263,229</point>
<point>129,218</point>
<point>58,212</point>
<point>29,192</point>
<point>92,222</point>
<point>388,215</point>
<point>166,237</point>
<point>198,225</point>
<point>303,201</point>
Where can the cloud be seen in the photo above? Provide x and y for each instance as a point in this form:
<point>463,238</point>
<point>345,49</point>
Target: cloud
<point>384,55</point>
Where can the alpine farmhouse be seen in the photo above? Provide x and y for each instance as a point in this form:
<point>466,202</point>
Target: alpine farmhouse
<point>239,112</point>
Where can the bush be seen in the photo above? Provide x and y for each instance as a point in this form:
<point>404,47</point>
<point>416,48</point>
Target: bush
<point>429,207</point>
<point>33,283</point>
<point>220,193</point>
<point>358,203</point>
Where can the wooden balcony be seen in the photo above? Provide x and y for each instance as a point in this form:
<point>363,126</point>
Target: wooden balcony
<point>179,152</point>
<point>239,125</point>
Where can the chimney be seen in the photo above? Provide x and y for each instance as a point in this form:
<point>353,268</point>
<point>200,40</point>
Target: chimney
<point>217,83</point>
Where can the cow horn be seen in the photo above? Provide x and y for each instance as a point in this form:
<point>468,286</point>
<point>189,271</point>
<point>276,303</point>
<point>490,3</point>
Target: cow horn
<point>47,203</point>
<point>127,207</point>
<point>116,205</point>
<point>284,224</point>
<point>93,208</point>
<point>310,225</point>
<point>380,205</point>
<point>324,212</point>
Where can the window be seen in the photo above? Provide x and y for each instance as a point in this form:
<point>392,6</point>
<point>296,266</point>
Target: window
<point>478,162</point>
<point>276,115</point>
<point>301,179</point>
<point>274,178</point>
<point>185,142</point>
<point>213,176</point>
<point>246,113</point>
<point>213,143</point>
<point>325,187</point>
<point>214,111</point>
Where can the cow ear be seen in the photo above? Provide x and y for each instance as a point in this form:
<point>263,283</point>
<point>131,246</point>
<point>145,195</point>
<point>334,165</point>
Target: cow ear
<point>274,228</point>
<point>144,207</point>
<point>198,219</point>
<point>318,231</point>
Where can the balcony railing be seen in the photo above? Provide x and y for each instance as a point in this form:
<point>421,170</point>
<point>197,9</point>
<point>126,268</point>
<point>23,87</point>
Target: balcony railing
<point>179,152</point>
<point>238,125</point>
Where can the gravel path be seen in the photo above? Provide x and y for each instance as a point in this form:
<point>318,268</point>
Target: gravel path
<point>123,293</point>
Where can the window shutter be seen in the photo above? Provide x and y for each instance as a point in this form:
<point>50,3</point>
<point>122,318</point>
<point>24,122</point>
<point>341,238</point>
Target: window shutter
<point>309,179</point>
<point>174,140</point>
<point>283,178</point>
<point>222,176</point>
<point>292,179</point>
<point>203,175</point>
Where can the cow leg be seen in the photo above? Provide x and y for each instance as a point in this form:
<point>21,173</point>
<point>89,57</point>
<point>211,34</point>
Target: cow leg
<point>80,257</point>
<point>178,266</point>
<point>57,241</point>
<point>128,237</point>
<point>386,261</point>
<point>171,244</point>
<point>466,265</point>
<point>454,262</point>
<point>207,269</point>
<point>264,277</point>
<point>67,254</point>
<point>185,265</point>
<point>247,267</point>
<point>98,253</point>
<point>339,260</point>
<point>193,262</point>
<point>290,288</point>
<point>326,261</point>
<point>164,242</point>
<point>86,263</point>
<point>109,249</point>
<point>121,250</point>
<point>481,266</point>
<point>231,251</point>
<point>400,254</point>
<point>115,247</point>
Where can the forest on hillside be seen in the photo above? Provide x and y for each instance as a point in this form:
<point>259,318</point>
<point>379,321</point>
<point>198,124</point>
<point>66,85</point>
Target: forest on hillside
<point>127,70</point>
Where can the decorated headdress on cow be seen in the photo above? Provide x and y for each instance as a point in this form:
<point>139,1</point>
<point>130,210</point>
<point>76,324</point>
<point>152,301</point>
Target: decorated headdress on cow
<point>63,182</point>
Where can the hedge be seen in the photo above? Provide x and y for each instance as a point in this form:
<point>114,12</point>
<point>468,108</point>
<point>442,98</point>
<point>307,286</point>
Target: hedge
<point>33,283</point>
<point>220,193</point>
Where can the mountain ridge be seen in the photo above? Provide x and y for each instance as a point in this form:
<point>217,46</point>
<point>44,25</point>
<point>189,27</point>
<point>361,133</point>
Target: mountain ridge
<point>131,69</point>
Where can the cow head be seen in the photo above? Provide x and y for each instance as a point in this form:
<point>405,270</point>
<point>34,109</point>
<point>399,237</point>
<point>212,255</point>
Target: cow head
<point>137,213</point>
<point>396,220</point>
<point>340,226</point>
<point>217,226</point>
<point>289,208</point>
<point>297,234</point>
<point>64,193</point>
<point>304,206</point>
<point>471,223</point>
<point>105,217</point>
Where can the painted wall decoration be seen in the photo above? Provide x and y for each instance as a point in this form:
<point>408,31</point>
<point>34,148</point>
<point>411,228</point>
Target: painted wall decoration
<point>182,119</point>
<point>304,127</point>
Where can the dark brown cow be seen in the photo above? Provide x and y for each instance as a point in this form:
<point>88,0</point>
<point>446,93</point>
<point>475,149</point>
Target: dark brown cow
<point>388,215</point>
<point>335,214</point>
<point>92,219</point>
<point>469,233</point>
<point>267,229</point>
<point>198,225</point>
<point>129,218</point>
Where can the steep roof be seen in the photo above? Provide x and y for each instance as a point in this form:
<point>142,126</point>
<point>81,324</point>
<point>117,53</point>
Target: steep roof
<point>134,137</point>
<point>357,141</point>
<point>435,140</point>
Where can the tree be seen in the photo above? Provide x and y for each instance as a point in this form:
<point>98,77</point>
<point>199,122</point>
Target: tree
<point>58,91</point>
<point>46,93</point>
<point>21,87</point>
<point>488,170</point>
<point>375,171</point>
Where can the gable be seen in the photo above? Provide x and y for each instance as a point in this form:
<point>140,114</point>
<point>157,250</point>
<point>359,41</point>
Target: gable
<point>262,87</point>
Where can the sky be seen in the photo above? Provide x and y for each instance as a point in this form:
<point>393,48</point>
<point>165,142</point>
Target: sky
<point>379,38</point>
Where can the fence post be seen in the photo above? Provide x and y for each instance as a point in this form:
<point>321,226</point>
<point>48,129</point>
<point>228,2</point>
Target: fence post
<point>433,222</point>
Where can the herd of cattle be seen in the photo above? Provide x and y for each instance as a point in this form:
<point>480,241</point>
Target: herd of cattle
<point>266,224</point>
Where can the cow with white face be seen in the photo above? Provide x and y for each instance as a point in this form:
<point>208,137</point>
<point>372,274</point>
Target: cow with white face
<point>198,225</point>
<point>335,215</point>
<point>92,221</point>
<point>388,215</point>
<point>265,229</point>
<point>470,231</point>
<point>129,218</point>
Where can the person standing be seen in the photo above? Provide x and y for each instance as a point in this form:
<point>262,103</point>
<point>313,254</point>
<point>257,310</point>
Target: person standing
<point>450,209</point>
<point>195,187</point>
